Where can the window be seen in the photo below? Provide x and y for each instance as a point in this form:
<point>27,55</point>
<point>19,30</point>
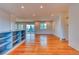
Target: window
<point>30,27</point>
<point>43,26</point>
<point>19,26</point>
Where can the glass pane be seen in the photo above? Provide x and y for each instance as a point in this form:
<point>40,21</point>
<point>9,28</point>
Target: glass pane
<point>27,28</point>
<point>32,28</point>
<point>43,26</point>
<point>19,26</point>
<point>30,34</point>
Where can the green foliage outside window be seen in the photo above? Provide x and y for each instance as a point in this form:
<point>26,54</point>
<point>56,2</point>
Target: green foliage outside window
<point>43,26</point>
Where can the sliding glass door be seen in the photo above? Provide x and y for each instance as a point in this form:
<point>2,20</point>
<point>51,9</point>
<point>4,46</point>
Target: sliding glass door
<point>30,33</point>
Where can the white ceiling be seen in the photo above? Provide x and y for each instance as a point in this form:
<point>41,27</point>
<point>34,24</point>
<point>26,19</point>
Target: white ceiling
<point>34,8</point>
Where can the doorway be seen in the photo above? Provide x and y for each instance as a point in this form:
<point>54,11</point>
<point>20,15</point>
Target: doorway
<point>30,33</point>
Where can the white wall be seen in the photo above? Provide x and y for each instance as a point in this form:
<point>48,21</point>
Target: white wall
<point>74,26</point>
<point>4,21</point>
<point>13,22</point>
<point>58,28</point>
<point>65,24</point>
<point>7,22</point>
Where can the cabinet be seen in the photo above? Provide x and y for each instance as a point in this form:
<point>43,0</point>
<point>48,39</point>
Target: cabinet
<point>9,40</point>
<point>5,42</point>
<point>16,37</point>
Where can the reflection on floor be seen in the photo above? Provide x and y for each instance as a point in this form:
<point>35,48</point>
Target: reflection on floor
<point>45,45</point>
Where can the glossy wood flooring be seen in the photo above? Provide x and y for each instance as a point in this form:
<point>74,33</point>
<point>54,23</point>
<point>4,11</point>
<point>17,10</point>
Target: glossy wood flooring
<point>54,47</point>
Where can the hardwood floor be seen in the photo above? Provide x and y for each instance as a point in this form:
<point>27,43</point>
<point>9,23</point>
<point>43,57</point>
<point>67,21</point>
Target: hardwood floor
<point>54,47</point>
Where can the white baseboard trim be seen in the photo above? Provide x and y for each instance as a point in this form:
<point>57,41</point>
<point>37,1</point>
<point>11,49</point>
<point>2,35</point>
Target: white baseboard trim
<point>75,48</point>
<point>14,48</point>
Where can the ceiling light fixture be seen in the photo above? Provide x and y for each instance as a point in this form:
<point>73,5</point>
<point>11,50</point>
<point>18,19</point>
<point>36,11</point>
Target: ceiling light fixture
<point>22,6</point>
<point>34,15</point>
<point>52,15</point>
<point>41,6</point>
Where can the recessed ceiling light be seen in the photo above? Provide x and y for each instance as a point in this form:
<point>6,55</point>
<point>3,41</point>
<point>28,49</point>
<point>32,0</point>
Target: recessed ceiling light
<point>41,6</point>
<point>52,14</point>
<point>34,15</point>
<point>22,6</point>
